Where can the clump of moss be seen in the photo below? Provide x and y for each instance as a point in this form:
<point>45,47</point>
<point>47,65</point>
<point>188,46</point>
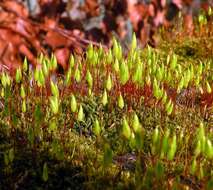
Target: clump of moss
<point>111,120</point>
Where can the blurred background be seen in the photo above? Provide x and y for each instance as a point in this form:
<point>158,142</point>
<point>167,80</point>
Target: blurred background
<point>28,27</point>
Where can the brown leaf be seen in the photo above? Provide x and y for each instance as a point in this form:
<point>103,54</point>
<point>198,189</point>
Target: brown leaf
<point>178,3</point>
<point>10,37</point>
<point>136,14</point>
<point>55,40</point>
<point>25,51</point>
<point>144,35</point>
<point>9,57</point>
<point>15,7</point>
<point>188,24</point>
<point>92,7</point>
<point>62,56</point>
<point>159,18</point>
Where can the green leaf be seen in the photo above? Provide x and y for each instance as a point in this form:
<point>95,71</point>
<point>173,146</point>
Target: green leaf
<point>8,92</point>
<point>77,75</point>
<point>120,101</point>
<point>40,58</point>
<point>6,159</point>
<point>155,141</point>
<point>156,90</point>
<point>8,79</point>
<point>72,61</point>
<point>137,76</point>
<point>155,136</point>
<point>209,149</point>
<point>149,51</point>
<point>192,71</point>
<point>159,169</point>
<point>168,59</point>
<point>173,62</point>
<point>117,50</point>
<point>139,139</point>
<point>198,148</point>
<point>210,184</point>
<point>80,114</point>
<point>11,155</point>
<point>45,172</point>
<point>22,93</point>
<point>126,131</point>
<point>200,68</point>
<point>73,104</point>
<point>164,98</point>
<point>210,12</point>
<point>170,109</point>
<point>54,89</point>
<point>96,127</point>
<point>45,69</point>
<point>38,114</point>
<point>197,81</point>
<point>53,62</point>
<point>124,73</point>
<point>104,98</point>
<point>41,78</point>
<point>2,93</point>
<point>109,83</point>
<point>160,74</point>
<point>18,75</point>
<point>208,87</point>
<point>4,80</point>
<point>168,105</point>
<point>201,171</point>
<point>52,126</point>
<point>54,104</point>
<point>55,146</point>
<point>148,80</point>
<point>116,66</point>
<point>109,57</point>
<point>100,52</point>
<point>15,119</point>
<point>193,166</point>
<point>201,131</point>
<point>108,154</point>
<point>202,19</point>
<point>169,76</point>
<point>95,59</point>
<point>165,143</point>
<point>188,75</point>
<point>89,79</point>
<point>30,135</point>
<point>132,142</point>
<point>25,64</point>
<point>134,42</point>
<point>180,85</point>
<point>36,73</point>
<point>90,53</point>
<point>136,124</point>
<point>173,148</point>
<point>68,77</point>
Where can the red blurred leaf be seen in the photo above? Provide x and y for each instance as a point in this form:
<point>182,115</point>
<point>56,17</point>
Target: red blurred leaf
<point>25,51</point>
<point>188,24</point>
<point>55,40</point>
<point>15,7</point>
<point>178,3</point>
<point>159,18</point>
<point>62,56</point>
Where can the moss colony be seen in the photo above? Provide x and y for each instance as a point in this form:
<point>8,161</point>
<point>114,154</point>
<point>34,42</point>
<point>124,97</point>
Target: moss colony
<point>137,121</point>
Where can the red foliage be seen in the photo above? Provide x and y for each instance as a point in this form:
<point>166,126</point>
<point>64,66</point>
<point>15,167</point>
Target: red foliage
<point>207,100</point>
